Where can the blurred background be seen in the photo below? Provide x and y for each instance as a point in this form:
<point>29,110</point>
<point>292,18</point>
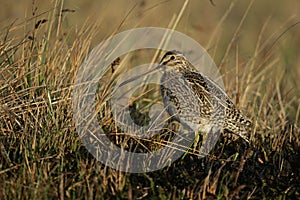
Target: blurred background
<point>271,21</point>
<point>199,19</point>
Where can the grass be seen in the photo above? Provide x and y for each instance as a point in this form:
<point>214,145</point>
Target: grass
<point>42,157</point>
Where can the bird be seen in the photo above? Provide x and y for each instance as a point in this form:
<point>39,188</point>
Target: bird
<point>197,101</point>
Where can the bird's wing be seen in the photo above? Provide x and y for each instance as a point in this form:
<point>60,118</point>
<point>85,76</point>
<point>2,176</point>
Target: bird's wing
<point>203,84</point>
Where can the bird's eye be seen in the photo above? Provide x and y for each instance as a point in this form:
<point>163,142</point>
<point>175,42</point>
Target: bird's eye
<point>172,58</point>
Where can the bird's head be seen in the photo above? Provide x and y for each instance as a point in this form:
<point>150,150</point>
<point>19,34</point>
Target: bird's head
<point>177,61</point>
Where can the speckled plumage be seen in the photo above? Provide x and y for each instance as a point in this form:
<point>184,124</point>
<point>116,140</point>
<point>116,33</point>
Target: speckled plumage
<point>196,100</point>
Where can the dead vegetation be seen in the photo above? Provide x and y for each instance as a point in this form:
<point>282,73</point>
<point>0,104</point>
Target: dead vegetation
<point>42,156</point>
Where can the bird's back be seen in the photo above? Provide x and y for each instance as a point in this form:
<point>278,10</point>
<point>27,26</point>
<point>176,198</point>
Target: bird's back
<point>196,99</point>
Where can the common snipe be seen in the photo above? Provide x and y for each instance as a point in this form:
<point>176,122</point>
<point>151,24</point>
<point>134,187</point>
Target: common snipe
<point>194,99</point>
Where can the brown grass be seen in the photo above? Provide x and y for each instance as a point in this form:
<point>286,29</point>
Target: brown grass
<point>42,156</point>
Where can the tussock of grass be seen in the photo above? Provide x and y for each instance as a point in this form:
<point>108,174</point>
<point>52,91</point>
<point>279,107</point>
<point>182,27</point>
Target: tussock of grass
<point>42,156</point>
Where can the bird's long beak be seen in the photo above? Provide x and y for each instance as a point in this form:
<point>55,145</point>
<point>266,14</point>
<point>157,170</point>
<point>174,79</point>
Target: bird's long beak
<point>149,72</point>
